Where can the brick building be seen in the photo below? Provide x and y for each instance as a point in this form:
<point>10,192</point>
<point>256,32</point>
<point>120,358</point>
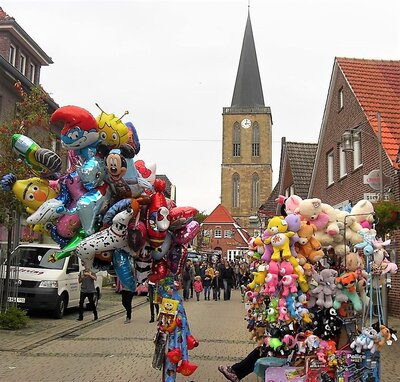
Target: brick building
<point>246,171</point>
<point>221,234</point>
<point>359,90</point>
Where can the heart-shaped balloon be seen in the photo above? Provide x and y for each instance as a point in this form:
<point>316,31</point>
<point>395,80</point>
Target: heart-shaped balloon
<point>158,271</point>
<point>175,355</point>
<point>137,235</point>
<point>187,233</point>
<point>186,368</point>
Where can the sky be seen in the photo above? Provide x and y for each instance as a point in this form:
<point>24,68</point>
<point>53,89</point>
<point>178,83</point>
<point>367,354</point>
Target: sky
<point>173,64</point>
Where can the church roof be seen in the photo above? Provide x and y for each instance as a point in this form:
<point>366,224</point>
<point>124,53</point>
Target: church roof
<point>248,89</point>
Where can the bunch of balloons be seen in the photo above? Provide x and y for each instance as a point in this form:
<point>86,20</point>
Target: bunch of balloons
<point>108,209</point>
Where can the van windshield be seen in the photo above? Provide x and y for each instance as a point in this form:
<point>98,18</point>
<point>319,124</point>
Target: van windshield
<point>36,257</point>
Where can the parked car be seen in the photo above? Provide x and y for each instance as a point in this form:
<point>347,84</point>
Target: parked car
<point>41,284</point>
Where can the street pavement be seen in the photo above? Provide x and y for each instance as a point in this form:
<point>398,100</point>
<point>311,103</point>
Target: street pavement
<point>109,350</point>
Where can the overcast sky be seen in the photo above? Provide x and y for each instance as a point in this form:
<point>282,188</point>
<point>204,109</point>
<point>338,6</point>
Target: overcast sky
<point>173,65</point>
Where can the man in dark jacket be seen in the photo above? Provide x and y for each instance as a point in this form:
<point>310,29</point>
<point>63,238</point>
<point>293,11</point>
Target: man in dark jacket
<point>228,278</point>
<point>188,278</point>
<point>216,284</point>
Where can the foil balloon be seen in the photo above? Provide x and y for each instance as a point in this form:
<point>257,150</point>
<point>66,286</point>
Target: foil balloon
<point>158,271</point>
<point>188,233</point>
<point>69,248</point>
<point>133,140</point>
<point>161,251</point>
<point>80,130</point>
<point>180,216</point>
<point>191,342</point>
<point>175,355</point>
<point>32,192</point>
<point>146,171</point>
<point>186,368</point>
<point>112,131</point>
<point>124,269</point>
<point>137,235</point>
<point>176,258</point>
<point>43,162</point>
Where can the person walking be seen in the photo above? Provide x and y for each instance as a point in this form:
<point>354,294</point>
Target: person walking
<point>86,279</point>
<point>228,278</point>
<point>188,278</point>
<point>198,287</point>
<point>127,296</point>
<point>209,273</point>
<point>216,285</point>
<point>153,305</point>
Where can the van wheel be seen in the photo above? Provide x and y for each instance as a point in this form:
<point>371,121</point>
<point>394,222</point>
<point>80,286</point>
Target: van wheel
<point>61,306</point>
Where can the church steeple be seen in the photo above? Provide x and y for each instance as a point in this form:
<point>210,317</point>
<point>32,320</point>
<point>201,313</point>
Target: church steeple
<point>248,89</point>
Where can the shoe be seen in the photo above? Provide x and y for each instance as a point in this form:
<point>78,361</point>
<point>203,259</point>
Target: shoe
<point>127,321</point>
<point>79,319</point>
<point>151,320</point>
<point>228,373</point>
<point>95,317</point>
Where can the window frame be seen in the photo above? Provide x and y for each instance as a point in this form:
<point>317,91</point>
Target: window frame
<point>342,162</point>
<point>217,233</point>
<point>357,152</point>
<point>22,63</point>
<point>236,138</point>
<point>255,140</point>
<point>235,190</point>
<point>341,99</point>
<point>329,168</point>
<point>12,54</point>
<point>255,191</point>
<point>32,72</point>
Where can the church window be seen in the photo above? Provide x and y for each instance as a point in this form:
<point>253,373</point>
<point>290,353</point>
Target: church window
<point>255,191</point>
<point>255,141</point>
<point>236,140</point>
<point>235,190</point>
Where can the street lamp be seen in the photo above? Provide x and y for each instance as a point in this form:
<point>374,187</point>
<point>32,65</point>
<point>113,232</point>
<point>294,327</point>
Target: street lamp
<point>347,142</point>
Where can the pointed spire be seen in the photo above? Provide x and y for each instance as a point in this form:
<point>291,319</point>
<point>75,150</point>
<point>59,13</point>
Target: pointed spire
<point>248,90</point>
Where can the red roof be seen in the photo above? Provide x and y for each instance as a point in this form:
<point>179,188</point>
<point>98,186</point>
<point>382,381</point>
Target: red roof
<point>376,85</point>
<point>3,15</point>
<point>219,215</point>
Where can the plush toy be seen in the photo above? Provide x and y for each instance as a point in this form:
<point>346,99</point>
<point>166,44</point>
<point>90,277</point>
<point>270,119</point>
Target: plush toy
<point>279,239</point>
<point>259,278</point>
<point>282,310</point>
<point>380,266</point>
<point>322,293</point>
<point>348,226</point>
<point>294,224</point>
<point>308,246</point>
<point>256,247</point>
<point>363,211</point>
<point>322,215</point>
<point>288,204</point>
<point>257,334</point>
<point>288,279</point>
<point>271,281</point>
<point>347,290</point>
<point>353,262</point>
<point>272,313</point>
<point>301,311</point>
<point>384,336</point>
<point>365,341</point>
<point>368,236</point>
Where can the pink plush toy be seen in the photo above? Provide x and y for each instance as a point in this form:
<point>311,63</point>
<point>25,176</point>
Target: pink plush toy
<point>288,280</point>
<point>282,310</point>
<point>271,281</point>
<point>288,204</point>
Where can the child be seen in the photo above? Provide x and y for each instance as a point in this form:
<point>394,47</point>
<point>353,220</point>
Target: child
<point>207,283</point>
<point>198,287</point>
<point>216,284</point>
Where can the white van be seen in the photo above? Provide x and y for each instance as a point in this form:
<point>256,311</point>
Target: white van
<point>42,285</point>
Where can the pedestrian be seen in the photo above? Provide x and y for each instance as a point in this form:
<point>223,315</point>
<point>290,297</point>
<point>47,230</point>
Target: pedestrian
<point>198,286</point>
<point>236,269</point>
<point>244,281</point>
<point>153,304</point>
<point>86,279</point>
<point>216,285</point>
<point>228,278</point>
<point>127,296</point>
<point>187,278</point>
<point>209,273</point>
<point>202,270</point>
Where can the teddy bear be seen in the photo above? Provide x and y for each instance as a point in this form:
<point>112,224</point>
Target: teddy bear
<point>271,280</point>
<point>363,211</point>
<point>384,336</point>
<point>368,238</point>
<point>294,224</point>
<point>257,334</point>
<point>365,341</point>
<point>348,226</point>
<point>322,215</point>
<point>279,238</point>
<point>288,204</point>
<point>259,278</point>
<point>308,246</point>
<point>283,310</point>
<point>289,278</point>
<point>324,288</point>
<point>353,262</point>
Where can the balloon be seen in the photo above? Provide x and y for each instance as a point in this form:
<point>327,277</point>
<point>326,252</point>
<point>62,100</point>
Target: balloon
<point>112,130</point>
<point>175,355</point>
<point>188,233</point>
<point>133,137</point>
<point>146,171</point>
<point>160,252</point>
<point>80,130</point>
<point>113,210</point>
<point>158,271</point>
<point>176,257</point>
<point>32,192</point>
<point>186,368</point>
<point>43,162</point>
<point>137,235</point>
<point>66,251</point>
<point>191,342</point>
<point>180,216</point>
<point>123,268</point>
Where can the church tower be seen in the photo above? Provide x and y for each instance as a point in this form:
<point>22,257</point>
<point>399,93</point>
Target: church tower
<point>246,169</point>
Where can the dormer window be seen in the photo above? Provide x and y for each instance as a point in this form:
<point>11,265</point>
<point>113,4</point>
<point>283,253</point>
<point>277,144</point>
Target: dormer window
<point>12,55</point>
<point>22,64</point>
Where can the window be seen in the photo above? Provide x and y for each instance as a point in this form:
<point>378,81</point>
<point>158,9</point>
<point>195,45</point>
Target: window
<point>255,191</point>
<point>228,234</point>
<point>32,72</point>
<point>329,161</point>
<point>342,162</point>
<point>341,99</point>
<point>22,64</point>
<point>235,190</point>
<point>357,160</point>
<point>236,140</point>
<point>218,233</point>
<point>255,142</point>
<point>12,55</point>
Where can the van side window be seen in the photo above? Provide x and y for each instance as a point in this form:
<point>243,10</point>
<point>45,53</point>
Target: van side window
<point>73,264</point>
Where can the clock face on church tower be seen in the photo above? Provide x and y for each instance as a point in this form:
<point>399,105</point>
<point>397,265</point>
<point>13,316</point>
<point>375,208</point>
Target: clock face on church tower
<point>246,123</point>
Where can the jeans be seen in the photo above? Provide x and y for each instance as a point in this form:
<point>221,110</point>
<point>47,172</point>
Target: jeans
<point>216,293</point>
<point>227,289</point>
<point>151,300</point>
<point>198,296</point>
<point>207,290</point>
<point>186,289</point>
<point>90,297</point>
